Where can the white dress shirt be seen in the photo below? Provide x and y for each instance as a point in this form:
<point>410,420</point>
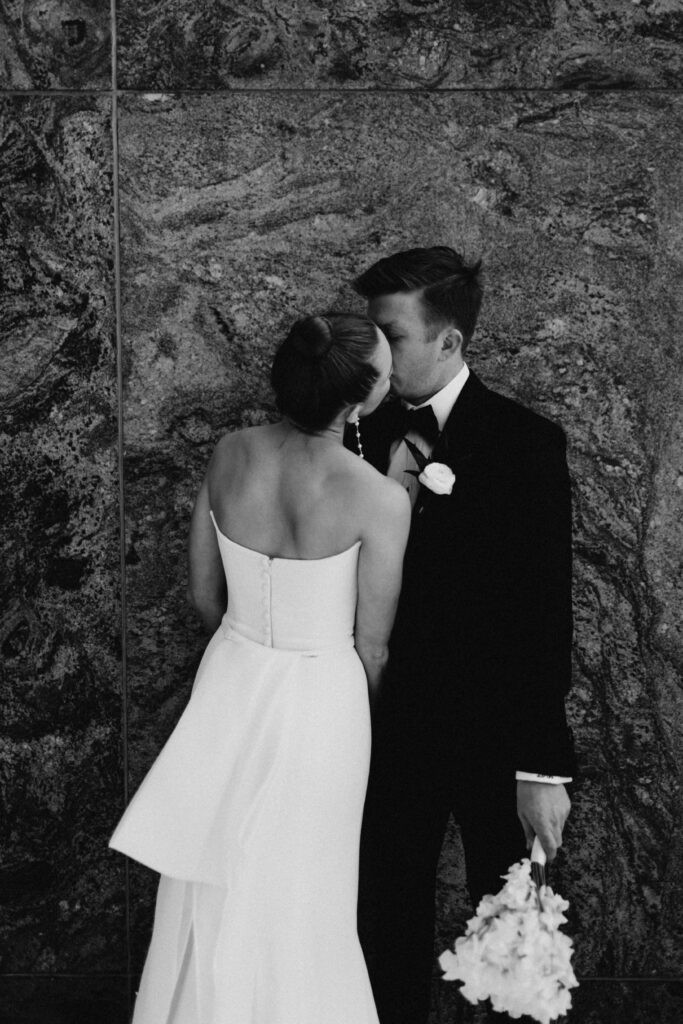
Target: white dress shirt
<point>400,460</point>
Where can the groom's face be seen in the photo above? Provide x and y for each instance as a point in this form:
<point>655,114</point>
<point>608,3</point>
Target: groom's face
<point>415,349</point>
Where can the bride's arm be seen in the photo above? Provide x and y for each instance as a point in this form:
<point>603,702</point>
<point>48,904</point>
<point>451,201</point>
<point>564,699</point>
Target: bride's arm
<point>380,568</point>
<point>206,589</point>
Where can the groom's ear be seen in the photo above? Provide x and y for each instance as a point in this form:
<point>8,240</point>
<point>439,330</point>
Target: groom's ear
<point>451,341</point>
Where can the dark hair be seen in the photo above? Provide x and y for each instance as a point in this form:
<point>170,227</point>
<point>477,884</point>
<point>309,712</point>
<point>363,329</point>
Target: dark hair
<point>322,365</point>
<point>449,289</point>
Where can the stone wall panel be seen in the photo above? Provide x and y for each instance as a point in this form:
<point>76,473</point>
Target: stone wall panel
<point>241,213</point>
<point>61,778</point>
<point>408,44</point>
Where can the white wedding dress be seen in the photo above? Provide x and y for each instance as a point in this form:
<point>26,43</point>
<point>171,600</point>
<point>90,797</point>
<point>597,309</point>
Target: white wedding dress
<point>252,811</point>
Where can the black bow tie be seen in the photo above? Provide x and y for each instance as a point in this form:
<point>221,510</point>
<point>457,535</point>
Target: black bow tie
<point>420,421</point>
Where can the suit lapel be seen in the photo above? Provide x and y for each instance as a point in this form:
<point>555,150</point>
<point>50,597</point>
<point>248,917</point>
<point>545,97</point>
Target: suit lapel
<point>456,444</point>
<point>461,427</point>
<point>454,447</point>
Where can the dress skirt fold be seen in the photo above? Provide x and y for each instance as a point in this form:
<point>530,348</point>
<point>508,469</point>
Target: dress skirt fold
<point>252,811</point>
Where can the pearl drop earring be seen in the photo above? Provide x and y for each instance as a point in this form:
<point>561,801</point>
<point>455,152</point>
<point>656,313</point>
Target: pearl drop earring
<point>358,440</point>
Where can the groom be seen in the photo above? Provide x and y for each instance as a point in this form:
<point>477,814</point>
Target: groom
<point>471,720</point>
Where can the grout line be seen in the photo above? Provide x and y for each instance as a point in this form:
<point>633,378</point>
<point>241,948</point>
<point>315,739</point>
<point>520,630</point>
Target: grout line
<point>651,980</point>
<point>121,456</point>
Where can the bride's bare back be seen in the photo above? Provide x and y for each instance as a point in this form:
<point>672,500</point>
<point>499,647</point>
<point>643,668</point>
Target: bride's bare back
<point>289,495</point>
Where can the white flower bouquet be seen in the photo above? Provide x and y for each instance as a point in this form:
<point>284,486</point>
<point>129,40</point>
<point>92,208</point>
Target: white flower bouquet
<point>513,952</point>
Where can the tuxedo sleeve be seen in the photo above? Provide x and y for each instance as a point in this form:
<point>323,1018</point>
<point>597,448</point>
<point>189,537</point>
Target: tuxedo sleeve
<point>551,780</point>
<point>542,739</point>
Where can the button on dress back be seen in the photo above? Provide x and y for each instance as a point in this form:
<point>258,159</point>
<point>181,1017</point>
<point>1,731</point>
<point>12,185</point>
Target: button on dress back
<point>290,603</point>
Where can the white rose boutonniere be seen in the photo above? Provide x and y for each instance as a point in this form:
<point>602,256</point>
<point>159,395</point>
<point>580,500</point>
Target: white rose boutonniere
<point>435,476</point>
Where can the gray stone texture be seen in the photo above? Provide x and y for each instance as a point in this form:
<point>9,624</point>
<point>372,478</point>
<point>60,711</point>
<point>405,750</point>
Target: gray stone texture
<point>61,778</point>
<point>55,44</point>
<point>305,140</point>
<point>413,44</point>
<point>241,213</point>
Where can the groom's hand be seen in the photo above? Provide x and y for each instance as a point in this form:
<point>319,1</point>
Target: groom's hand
<point>542,809</point>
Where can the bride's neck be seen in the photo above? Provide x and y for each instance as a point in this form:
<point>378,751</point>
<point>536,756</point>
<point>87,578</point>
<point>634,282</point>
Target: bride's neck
<point>333,433</point>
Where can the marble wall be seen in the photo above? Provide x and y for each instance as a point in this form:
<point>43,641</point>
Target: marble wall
<point>178,182</point>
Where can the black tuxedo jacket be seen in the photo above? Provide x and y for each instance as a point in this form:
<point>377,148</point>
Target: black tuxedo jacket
<point>480,654</point>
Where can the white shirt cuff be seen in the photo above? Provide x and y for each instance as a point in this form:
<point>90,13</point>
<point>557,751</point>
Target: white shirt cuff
<point>553,780</point>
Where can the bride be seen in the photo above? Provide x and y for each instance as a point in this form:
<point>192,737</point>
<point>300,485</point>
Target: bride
<point>252,811</point>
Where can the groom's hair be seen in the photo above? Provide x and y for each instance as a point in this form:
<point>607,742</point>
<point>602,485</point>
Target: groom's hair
<point>449,289</point>
<point>323,365</point>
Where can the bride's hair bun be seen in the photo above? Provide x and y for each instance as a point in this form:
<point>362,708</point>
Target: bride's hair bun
<point>311,337</point>
<point>323,365</point>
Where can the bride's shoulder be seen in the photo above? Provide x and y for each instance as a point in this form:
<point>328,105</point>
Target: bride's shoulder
<point>232,454</point>
<point>383,494</point>
<point>379,507</point>
<point>235,442</point>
